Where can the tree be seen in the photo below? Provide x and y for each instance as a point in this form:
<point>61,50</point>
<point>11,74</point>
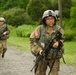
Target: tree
<point>74,3</point>
<point>66,8</point>
<point>16,16</point>
<point>37,7</point>
<point>7,4</point>
<point>73,14</point>
<point>54,4</point>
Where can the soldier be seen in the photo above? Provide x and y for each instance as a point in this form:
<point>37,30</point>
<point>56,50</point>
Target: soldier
<point>40,38</point>
<point>4,31</point>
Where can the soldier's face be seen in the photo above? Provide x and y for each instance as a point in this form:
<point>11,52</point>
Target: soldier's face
<point>1,22</point>
<point>50,21</point>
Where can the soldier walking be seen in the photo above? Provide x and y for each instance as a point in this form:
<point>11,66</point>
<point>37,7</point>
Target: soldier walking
<point>40,38</point>
<point>4,34</point>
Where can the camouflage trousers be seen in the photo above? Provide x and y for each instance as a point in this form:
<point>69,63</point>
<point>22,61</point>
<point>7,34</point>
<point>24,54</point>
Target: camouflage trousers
<point>42,67</point>
<point>3,46</point>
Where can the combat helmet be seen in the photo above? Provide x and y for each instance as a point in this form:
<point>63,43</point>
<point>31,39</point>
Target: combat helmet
<point>48,13</point>
<point>2,19</point>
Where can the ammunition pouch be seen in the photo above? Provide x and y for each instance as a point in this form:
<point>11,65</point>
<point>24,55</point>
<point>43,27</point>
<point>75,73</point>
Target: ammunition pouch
<point>52,54</point>
<point>4,37</point>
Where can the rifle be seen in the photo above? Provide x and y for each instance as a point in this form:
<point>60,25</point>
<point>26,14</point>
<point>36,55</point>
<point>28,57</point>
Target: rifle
<point>57,50</point>
<point>3,37</point>
<point>55,36</point>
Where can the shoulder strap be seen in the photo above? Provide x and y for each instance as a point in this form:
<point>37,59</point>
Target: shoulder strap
<point>42,36</point>
<point>56,27</point>
<point>6,28</point>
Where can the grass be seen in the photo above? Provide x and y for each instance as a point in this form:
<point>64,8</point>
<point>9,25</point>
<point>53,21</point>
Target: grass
<point>20,43</point>
<point>70,53</point>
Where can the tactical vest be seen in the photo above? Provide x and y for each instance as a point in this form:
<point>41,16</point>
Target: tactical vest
<point>43,42</point>
<point>3,28</point>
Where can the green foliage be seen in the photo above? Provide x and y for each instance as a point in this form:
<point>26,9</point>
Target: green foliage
<point>16,16</point>
<point>7,4</point>
<point>24,30</point>
<point>2,4</point>
<point>37,7</point>
<point>12,30</point>
<point>66,8</point>
<point>20,43</point>
<point>73,14</point>
<point>74,3</point>
<point>73,17</point>
<point>70,27</point>
<point>54,4</point>
<point>32,9</point>
<point>73,20</point>
<point>70,52</point>
<point>69,32</point>
<point>69,35</point>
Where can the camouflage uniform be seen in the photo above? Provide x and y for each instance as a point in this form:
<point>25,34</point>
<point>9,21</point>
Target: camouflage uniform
<point>3,40</point>
<point>35,48</point>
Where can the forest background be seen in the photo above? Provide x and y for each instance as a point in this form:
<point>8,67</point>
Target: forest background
<point>23,16</point>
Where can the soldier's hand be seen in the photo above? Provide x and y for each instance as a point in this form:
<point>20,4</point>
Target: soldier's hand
<point>4,33</point>
<point>40,53</point>
<point>56,44</point>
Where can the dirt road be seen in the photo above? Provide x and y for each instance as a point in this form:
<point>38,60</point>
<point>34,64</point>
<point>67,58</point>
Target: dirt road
<point>16,62</point>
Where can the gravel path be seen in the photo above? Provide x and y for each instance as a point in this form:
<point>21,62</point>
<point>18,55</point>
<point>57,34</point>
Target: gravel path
<point>16,62</point>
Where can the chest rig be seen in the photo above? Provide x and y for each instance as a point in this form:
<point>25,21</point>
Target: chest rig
<point>46,35</point>
<point>3,28</point>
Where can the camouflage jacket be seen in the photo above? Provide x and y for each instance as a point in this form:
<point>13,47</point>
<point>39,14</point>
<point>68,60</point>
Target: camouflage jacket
<point>4,28</point>
<point>35,36</point>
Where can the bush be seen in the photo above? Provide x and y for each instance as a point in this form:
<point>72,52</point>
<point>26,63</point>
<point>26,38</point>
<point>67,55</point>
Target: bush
<point>73,17</point>
<point>12,30</point>
<point>70,26</point>
<point>36,8</point>
<point>69,32</point>
<point>69,35</point>
<point>24,30</point>
<point>16,16</point>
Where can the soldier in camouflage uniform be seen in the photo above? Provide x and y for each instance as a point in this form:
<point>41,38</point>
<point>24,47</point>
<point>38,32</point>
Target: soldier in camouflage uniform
<point>4,31</point>
<point>40,38</point>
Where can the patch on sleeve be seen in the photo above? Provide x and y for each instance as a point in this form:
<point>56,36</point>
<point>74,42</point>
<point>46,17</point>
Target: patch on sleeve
<point>35,33</point>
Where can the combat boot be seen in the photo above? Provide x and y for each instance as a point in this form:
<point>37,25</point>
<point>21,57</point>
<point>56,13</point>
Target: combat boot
<point>4,51</point>
<point>3,55</point>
